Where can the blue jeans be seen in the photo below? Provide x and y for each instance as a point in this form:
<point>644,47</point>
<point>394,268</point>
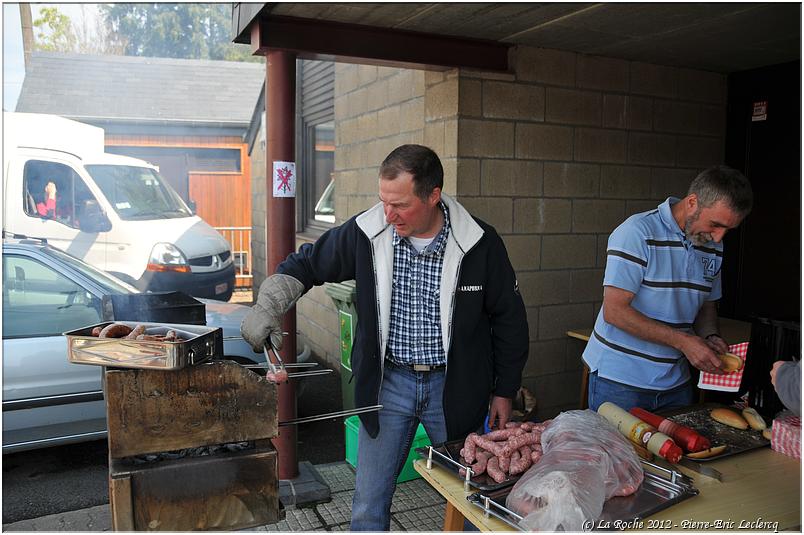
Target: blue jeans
<point>407,398</point>
<point>627,397</point>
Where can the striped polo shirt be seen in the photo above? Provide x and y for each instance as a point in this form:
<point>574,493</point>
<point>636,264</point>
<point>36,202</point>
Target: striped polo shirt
<point>649,256</point>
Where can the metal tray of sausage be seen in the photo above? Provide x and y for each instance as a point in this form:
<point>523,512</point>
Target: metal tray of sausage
<point>448,456</point>
<point>661,488</point>
<point>197,344</point>
<point>736,440</point>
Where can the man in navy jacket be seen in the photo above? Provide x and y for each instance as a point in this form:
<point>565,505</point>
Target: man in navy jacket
<point>442,334</point>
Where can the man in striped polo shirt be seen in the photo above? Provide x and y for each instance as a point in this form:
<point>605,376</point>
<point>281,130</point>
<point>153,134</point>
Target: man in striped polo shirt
<point>660,290</point>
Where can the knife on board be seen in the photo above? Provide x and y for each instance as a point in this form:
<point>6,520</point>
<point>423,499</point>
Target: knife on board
<point>702,469</point>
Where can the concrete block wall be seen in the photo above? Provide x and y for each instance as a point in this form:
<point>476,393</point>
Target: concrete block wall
<point>559,153</point>
<point>259,214</point>
<point>376,110</point>
<point>554,155</point>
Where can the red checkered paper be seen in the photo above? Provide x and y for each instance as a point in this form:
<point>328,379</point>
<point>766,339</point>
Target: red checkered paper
<point>729,382</point>
<point>786,435</point>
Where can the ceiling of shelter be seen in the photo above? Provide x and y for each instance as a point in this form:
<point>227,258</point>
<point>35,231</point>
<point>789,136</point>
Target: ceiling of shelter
<point>719,37</point>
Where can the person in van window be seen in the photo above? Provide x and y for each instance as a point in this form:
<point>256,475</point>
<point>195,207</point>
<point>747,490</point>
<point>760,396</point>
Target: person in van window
<point>47,208</point>
<point>443,330</point>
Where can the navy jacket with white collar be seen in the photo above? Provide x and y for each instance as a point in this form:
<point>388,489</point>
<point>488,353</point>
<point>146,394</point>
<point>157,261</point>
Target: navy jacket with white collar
<point>483,319</point>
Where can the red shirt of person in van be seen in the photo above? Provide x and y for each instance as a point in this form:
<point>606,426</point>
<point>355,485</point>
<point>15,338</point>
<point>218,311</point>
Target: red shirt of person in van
<point>47,208</point>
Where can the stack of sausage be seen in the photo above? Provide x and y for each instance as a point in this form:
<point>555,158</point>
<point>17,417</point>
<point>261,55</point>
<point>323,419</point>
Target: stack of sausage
<point>504,452</point>
<point>121,330</point>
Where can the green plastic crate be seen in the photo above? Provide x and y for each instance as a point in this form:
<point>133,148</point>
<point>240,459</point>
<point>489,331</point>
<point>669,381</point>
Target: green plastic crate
<point>351,428</point>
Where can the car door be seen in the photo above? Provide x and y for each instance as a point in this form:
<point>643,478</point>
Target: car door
<point>46,399</point>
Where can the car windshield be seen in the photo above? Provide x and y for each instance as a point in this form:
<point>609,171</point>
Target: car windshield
<point>109,283</point>
<point>138,193</point>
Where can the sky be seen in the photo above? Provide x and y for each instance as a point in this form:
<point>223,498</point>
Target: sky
<point>13,61</point>
<point>13,66</point>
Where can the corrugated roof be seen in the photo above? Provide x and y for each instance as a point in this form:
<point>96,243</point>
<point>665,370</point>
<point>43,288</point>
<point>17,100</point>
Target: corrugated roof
<point>141,89</point>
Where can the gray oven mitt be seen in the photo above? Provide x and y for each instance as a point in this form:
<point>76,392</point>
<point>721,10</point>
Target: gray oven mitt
<point>278,293</point>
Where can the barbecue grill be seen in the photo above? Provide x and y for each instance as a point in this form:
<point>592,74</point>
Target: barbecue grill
<point>190,449</point>
<point>189,434</point>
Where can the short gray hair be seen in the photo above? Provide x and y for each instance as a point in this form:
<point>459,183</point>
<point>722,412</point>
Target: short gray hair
<point>722,183</point>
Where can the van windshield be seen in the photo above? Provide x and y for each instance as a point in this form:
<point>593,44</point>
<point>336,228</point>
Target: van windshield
<point>138,193</point>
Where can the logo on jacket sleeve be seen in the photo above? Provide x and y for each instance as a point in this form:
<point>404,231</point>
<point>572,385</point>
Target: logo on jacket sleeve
<point>471,288</point>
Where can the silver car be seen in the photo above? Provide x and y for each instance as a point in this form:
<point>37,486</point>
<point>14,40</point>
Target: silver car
<point>46,399</point>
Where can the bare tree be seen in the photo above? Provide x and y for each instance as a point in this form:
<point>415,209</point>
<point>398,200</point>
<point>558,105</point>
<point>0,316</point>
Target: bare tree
<point>93,36</point>
<point>87,35</point>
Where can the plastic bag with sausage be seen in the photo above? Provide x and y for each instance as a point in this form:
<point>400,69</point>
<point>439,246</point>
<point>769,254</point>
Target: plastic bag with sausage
<point>586,461</point>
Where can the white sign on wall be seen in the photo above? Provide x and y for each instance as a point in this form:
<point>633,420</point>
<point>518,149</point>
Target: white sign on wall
<point>284,179</point>
<point>760,111</point>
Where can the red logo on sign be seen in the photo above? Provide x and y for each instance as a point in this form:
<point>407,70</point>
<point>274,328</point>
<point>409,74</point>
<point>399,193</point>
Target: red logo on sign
<point>284,179</point>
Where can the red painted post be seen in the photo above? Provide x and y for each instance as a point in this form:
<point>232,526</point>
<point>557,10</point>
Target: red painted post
<point>280,98</point>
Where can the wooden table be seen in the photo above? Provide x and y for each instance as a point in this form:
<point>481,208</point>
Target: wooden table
<point>758,486</point>
<point>733,331</point>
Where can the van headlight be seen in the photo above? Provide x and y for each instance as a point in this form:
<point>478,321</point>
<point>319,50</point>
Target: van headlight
<point>167,257</point>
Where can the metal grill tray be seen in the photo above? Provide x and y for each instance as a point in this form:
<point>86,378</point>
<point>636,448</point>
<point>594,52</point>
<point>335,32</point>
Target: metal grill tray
<point>660,489</point>
<point>736,440</point>
<point>451,450</point>
<point>200,344</point>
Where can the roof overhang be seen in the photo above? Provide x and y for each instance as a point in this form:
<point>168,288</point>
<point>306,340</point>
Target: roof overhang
<point>722,37</point>
<point>355,43</point>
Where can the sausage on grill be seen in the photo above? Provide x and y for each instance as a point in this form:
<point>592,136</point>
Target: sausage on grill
<point>115,330</point>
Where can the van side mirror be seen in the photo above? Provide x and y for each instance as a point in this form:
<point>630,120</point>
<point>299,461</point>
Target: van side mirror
<point>94,220</point>
<point>193,207</point>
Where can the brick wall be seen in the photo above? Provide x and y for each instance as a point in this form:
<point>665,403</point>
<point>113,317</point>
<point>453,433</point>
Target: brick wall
<point>376,110</point>
<point>555,156</point>
<point>259,215</point>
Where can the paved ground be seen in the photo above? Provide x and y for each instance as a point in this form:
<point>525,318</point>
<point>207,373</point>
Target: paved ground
<point>243,297</point>
<point>416,507</point>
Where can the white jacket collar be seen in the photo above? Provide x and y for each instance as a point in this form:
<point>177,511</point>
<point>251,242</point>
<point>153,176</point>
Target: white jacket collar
<point>464,234</point>
<point>463,228</point>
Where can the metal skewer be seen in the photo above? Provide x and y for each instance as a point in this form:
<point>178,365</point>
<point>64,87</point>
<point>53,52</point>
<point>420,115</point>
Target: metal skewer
<point>288,365</point>
<point>284,333</point>
<point>267,348</point>
<point>310,373</point>
<point>327,416</point>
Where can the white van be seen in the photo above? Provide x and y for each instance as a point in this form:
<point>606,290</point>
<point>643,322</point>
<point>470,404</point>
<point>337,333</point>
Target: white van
<point>114,212</point>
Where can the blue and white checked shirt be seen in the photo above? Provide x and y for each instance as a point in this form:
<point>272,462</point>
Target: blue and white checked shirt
<point>415,332</point>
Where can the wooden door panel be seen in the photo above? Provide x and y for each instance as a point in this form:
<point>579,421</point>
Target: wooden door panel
<point>222,200</point>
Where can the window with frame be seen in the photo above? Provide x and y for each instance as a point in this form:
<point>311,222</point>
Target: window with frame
<point>40,301</point>
<point>53,190</point>
<point>319,182</point>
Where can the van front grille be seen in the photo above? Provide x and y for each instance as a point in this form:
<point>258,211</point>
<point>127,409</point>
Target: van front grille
<point>201,261</point>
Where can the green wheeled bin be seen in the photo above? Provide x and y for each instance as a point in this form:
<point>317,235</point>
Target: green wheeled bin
<point>343,294</point>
